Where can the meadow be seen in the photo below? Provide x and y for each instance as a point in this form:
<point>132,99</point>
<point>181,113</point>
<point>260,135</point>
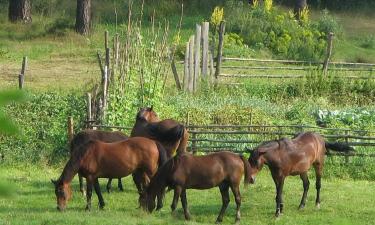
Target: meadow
<point>33,202</point>
<point>63,67</point>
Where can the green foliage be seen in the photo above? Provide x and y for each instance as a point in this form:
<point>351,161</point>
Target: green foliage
<point>271,28</point>
<point>7,97</point>
<point>143,80</point>
<point>43,131</point>
<point>328,23</point>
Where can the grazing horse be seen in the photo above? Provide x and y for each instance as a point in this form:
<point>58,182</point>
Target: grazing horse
<point>119,159</point>
<point>186,171</point>
<point>287,157</point>
<point>83,137</point>
<point>171,134</point>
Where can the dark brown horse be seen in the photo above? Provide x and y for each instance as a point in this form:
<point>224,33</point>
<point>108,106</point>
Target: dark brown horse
<point>110,160</point>
<point>287,157</point>
<point>186,171</point>
<point>171,134</point>
<point>83,137</point>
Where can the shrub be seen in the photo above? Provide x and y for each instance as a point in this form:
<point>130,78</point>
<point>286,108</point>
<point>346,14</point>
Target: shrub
<point>266,26</point>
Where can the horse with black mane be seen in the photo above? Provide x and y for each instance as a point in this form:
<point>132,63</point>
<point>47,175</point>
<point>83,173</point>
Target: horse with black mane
<point>170,133</point>
<point>186,171</point>
<point>83,137</point>
<point>98,159</point>
<point>294,156</point>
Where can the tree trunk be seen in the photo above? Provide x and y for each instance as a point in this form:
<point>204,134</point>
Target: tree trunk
<point>298,7</point>
<point>83,17</point>
<point>19,10</point>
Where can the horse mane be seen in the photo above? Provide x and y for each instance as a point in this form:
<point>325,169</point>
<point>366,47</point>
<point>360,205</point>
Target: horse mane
<point>164,134</point>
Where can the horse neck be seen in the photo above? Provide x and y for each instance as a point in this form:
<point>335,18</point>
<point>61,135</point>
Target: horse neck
<point>70,170</point>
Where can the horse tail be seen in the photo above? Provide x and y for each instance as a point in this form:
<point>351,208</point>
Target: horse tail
<point>246,164</point>
<point>339,147</point>
<point>162,154</point>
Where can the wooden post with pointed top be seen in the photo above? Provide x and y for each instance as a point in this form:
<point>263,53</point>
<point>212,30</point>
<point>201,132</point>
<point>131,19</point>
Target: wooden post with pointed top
<point>21,76</point>
<point>70,129</point>
<point>329,52</point>
<point>219,50</point>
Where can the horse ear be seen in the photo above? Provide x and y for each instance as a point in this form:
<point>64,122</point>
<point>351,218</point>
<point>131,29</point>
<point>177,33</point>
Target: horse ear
<point>261,151</point>
<point>151,108</point>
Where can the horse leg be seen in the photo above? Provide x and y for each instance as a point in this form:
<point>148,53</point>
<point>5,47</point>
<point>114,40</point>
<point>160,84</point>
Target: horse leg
<point>224,190</point>
<point>177,193</point>
<point>160,197</point>
<point>137,178</point>
<point>237,197</point>
<point>89,184</point>
<point>279,182</point>
<point>318,172</point>
<point>306,184</point>
<point>119,185</point>
<point>109,185</point>
<point>99,193</point>
<point>81,188</point>
<point>184,204</point>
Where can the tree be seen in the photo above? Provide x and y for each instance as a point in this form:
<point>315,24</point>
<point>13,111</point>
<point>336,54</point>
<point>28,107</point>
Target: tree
<point>83,17</point>
<point>299,5</point>
<point>19,10</point>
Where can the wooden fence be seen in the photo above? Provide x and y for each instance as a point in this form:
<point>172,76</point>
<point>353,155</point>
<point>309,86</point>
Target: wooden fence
<point>223,67</point>
<point>211,138</point>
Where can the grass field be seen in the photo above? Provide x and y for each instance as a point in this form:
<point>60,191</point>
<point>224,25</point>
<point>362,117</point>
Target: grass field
<point>33,202</point>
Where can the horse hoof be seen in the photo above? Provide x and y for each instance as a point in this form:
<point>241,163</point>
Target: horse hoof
<point>88,208</point>
<point>218,221</point>
<point>301,207</point>
<point>318,205</point>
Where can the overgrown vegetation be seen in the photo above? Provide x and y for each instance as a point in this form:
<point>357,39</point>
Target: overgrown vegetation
<point>42,121</point>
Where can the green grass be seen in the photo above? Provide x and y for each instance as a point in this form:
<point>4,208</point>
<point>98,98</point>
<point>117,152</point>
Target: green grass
<point>33,202</point>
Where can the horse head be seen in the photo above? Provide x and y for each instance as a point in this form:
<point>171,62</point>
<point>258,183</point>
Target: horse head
<point>147,114</point>
<point>63,193</point>
<point>256,162</point>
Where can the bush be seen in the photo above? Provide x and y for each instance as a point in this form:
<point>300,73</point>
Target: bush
<point>264,26</point>
<point>42,120</point>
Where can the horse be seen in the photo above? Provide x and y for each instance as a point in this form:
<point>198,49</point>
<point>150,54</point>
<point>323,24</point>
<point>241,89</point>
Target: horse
<point>295,156</point>
<point>171,134</point>
<point>186,171</point>
<point>102,160</point>
<point>83,137</point>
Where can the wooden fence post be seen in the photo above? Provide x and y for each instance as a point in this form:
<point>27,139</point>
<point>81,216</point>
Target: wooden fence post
<point>186,67</point>
<point>105,86</point>
<point>70,129</point>
<point>346,141</point>
<point>197,54</point>
<point>194,143</point>
<point>116,49</point>
<point>329,53</point>
<point>106,34</point>
<point>219,50</point>
<point>175,74</point>
<point>89,111</point>
<point>205,28</point>
<point>191,64</point>
<point>21,76</point>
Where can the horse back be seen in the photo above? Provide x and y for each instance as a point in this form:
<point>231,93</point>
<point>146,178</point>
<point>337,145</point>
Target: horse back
<point>119,159</point>
<point>202,172</point>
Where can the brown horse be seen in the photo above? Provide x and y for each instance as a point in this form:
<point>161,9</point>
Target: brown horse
<point>186,171</point>
<point>83,137</point>
<point>171,134</point>
<point>287,157</point>
<point>115,160</point>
